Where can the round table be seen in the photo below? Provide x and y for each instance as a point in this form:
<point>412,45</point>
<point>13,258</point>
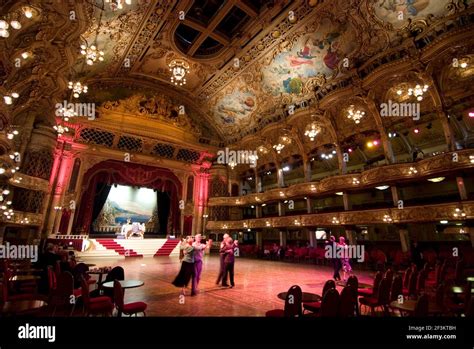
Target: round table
<point>25,278</point>
<point>361,284</point>
<point>409,305</point>
<point>307,297</point>
<point>21,306</point>
<point>125,284</point>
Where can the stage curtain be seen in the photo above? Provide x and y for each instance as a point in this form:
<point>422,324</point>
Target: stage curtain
<point>63,225</point>
<point>163,206</point>
<point>101,193</point>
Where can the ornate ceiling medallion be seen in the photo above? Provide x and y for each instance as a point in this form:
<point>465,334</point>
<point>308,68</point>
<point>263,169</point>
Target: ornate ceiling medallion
<point>178,68</point>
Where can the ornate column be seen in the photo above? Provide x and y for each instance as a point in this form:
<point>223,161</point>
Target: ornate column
<point>283,238</point>
<point>461,188</point>
<point>201,194</point>
<point>374,111</point>
<point>404,239</point>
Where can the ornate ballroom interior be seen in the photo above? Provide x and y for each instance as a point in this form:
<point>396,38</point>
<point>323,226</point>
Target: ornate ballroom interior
<point>358,116</point>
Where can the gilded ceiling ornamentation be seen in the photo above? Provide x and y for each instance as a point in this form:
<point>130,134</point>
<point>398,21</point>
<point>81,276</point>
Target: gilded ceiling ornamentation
<point>157,107</point>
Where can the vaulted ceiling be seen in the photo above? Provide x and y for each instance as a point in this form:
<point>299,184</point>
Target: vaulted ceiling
<point>249,59</point>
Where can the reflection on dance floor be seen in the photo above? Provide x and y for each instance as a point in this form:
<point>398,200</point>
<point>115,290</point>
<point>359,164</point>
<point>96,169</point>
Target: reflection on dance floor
<point>258,284</point>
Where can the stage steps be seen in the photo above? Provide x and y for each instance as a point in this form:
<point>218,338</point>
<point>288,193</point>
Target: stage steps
<point>168,248</point>
<point>122,249</point>
<point>97,250</point>
<point>107,248</point>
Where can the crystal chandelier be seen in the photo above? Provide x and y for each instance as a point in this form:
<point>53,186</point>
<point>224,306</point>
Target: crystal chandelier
<point>459,213</point>
<point>283,141</point>
<point>5,202</point>
<point>92,54</point>
<point>312,130</point>
<point>4,25</point>
<point>8,99</point>
<point>118,4</point>
<point>77,88</point>
<point>179,69</point>
<point>355,114</point>
<point>417,91</point>
<point>61,129</point>
<point>66,113</point>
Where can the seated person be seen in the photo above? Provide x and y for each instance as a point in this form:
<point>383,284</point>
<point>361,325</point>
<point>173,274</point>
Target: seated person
<point>126,228</point>
<point>137,229</point>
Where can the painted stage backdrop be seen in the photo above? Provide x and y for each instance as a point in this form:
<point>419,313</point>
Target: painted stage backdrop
<point>124,202</point>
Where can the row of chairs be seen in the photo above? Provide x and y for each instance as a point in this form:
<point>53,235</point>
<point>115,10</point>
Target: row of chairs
<point>332,304</point>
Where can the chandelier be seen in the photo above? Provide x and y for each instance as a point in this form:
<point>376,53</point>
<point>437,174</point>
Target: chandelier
<point>262,149</point>
<point>61,129</point>
<point>77,88</point>
<point>355,114</point>
<point>312,130</point>
<point>283,141</point>
<point>459,213</point>
<point>179,69</point>
<point>4,25</point>
<point>8,99</point>
<point>66,113</point>
<point>5,202</point>
<point>92,54</point>
<point>417,91</point>
<point>118,4</point>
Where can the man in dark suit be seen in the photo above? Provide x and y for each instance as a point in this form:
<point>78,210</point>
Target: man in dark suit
<point>229,259</point>
<point>336,262</point>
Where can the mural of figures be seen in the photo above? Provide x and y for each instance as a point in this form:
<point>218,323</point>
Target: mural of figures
<point>397,12</point>
<point>316,53</point>
<point>235,106</point>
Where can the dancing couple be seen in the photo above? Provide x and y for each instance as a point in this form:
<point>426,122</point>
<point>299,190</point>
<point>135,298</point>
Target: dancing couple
<point>227,259</point>
<point>191,267</point>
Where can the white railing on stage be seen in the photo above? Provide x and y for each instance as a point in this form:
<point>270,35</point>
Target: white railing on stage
<point>63,236</point>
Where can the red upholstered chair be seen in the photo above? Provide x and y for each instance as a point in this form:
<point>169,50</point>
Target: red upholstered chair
<point>389,274</point>
<point>348,302</point>
<point>368,292</point>
<point>129,308</point>
<point>8,291</point>
<point>316,306</point>
<point>406,277</point>
<point>60,296</point>
<point>97,305</point>
<point>396,289</point>
<point>421,307</point>
<point>293,300</point>
<point>330,303</point>
<point>411,289</point>
<point>381,300</point>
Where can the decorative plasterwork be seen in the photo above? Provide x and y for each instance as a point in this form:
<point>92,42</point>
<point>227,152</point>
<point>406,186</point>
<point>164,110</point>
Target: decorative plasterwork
<point>434,166</point>
<point>429,213</point>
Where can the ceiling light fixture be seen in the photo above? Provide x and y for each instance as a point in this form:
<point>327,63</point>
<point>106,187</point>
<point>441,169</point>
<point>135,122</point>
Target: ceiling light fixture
<point>92,54</point>
<point>436,179</point>
<point>382,187</point>
<point>355,114</point>
<point>179,68</point>
<point>312,130</point>
<point>77,88</point>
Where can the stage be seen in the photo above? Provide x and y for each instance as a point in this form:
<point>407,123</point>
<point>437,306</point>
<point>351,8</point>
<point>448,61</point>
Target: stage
<point>257,284</point>
<point>133,247</point>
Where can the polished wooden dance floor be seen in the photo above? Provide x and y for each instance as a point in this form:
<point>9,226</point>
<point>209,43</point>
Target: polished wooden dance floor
<point>257,284</point>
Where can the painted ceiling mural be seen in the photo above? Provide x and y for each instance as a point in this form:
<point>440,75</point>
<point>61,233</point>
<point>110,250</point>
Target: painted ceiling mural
<point>302,55</point>
<point>313,54</point>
